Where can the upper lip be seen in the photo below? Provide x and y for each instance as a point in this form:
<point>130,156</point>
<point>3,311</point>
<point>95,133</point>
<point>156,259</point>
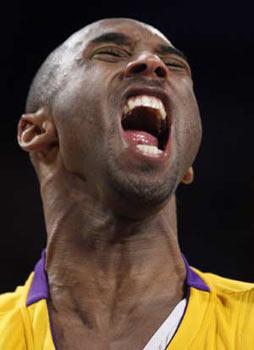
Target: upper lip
<point>151,91</point>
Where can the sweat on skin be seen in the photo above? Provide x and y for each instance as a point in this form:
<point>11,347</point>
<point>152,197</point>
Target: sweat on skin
<point>112,255</point>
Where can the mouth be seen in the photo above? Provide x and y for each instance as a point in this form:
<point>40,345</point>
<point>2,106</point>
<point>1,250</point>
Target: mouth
<point>146,122</point>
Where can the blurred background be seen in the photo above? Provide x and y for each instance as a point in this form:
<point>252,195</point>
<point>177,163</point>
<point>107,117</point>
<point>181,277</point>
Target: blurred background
<point>216,213</point>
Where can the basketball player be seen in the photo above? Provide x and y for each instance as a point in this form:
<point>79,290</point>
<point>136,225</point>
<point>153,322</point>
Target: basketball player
<point>112,127</point>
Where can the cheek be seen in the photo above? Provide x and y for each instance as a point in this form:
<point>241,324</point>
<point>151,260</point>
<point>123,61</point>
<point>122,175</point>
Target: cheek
<point>83,123</point>
<point>73,143</point>
<point>76,112</point>
<point>80,149</point>
<point>192,123</point>
<point>188,125</point>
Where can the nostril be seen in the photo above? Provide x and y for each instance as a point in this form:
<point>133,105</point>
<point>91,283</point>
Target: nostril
<point>138,68</point>
<point>160,72</point>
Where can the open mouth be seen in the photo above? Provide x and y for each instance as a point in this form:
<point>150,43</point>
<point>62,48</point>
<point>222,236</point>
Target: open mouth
<point>146,124</point>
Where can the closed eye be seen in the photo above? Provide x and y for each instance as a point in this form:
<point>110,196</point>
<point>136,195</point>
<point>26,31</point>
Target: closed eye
<point>175,64</point>
<point>110,53</point>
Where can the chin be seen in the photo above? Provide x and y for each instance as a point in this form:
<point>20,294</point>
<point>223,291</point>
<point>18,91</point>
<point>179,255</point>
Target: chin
<point>143,190</point>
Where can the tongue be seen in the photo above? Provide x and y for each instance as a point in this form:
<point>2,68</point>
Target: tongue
<point>138,137</point>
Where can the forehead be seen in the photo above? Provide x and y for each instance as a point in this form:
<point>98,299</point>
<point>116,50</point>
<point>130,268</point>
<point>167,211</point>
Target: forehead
<point>132,28</point>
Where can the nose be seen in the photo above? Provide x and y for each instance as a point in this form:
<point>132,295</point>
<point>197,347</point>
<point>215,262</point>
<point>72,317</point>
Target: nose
<point>147,65</point>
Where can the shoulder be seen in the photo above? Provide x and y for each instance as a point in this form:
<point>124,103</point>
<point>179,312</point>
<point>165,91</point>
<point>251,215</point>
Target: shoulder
<point>13,318</point>
<point>225,285</point>
<point>11,303</point>
<point>232,298</point>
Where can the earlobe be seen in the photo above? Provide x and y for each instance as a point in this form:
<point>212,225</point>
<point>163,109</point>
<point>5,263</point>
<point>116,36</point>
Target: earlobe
<point>36,131</point>
<point>188,176</point>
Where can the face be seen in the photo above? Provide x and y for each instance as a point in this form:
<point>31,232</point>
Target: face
<point>126,115</point>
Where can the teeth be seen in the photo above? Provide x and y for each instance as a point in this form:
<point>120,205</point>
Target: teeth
<point>131,104</point>
<point>149,149</point>
<point>145,101</point>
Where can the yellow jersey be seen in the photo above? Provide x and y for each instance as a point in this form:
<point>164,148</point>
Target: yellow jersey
<point>219,314</point>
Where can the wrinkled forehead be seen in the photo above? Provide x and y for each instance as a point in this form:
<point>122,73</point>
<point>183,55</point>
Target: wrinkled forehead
<point>133,28</point>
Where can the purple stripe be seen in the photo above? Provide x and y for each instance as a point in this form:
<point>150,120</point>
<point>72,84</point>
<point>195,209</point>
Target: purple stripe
<point>39,287</point>
<point>39,290</point>
<point>193,279</point>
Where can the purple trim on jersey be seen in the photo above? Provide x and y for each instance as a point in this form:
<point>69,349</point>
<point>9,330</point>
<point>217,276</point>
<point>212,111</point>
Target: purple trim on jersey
<point>39,290</point>
<point>39,287</point>
<point>193,279</point>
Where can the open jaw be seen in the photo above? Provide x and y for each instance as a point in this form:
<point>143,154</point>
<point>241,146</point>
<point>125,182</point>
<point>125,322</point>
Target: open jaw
<point>146,125</point>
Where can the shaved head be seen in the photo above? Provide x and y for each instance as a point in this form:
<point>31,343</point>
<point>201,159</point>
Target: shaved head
<point>44,85</point>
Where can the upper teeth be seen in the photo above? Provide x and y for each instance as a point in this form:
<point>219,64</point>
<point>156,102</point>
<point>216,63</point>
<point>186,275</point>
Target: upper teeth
<point>145,101</point>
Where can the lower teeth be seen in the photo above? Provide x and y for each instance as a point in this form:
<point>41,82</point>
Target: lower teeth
<point>149,149</point>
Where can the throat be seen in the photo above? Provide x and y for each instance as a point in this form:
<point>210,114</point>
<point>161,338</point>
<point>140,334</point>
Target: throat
<point>111,289</point>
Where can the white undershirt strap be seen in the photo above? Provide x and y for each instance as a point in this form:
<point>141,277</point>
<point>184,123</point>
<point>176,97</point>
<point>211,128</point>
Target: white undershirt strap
<point>164,334</point>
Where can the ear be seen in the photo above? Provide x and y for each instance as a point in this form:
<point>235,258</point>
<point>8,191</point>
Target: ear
<point>36,131</point>
<point>188,177</point>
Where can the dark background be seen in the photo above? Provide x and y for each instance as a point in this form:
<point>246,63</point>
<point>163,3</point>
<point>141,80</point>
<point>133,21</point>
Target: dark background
<point>216,224</point>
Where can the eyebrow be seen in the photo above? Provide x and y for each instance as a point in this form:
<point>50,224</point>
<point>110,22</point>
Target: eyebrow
<point>166,49</point>
<point>112,37</point>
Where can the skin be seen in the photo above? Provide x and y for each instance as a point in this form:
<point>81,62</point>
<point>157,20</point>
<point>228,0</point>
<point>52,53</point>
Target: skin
<point>114,266</point>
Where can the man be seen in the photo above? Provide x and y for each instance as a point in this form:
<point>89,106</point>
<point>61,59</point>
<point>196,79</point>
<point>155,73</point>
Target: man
<point>112,127</point>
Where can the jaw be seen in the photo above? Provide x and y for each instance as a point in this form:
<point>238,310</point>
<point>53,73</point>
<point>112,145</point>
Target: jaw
<point>139,185</point>
<point>137,199</point>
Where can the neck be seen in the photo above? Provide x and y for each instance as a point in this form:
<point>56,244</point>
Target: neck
<point>106,266</point>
